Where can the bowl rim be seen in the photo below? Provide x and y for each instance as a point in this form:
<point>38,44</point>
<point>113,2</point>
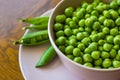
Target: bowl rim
<point>60,53</point>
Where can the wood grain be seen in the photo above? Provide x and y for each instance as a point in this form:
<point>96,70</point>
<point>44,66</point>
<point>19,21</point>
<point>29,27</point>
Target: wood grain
<point>10,30</point>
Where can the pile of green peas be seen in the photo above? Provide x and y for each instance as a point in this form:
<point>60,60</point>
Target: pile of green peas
<point>89,34</point>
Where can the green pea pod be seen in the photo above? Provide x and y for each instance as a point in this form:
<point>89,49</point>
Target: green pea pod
<point>46,57</point>
<point>37,27</point>
<point>34,38</point>
<point>36,20</point>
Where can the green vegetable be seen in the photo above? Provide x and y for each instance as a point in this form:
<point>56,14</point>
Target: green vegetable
<point>46,57</point>
<point>34,38</point>
<point>36,20</point>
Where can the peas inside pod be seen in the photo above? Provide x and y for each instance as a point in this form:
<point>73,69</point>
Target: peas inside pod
<point>89,34</point>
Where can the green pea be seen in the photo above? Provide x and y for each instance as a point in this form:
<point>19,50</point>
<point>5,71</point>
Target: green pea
<point>70,56</point>
<point>87,58</point>
<point>113,5</point>
<point>80,36</point>
<point>84,5</point>
<point>114,31</point>
<point>94,13</point>
<point>100,8</point>
<point>95,37</point>
<point>113,53</point>
<point>61,40</point>
<point>93,18</point>
<point>81,23</point>
<point>109,39</point>
<point>105,55</point>
<point>106,30</point>
<point>117,57</point>
<point>68,32</point>
<point>106,14</point>
<point>93,46</point>
<point>101,19</point>
<point>114,14</point>
<point>106,63</point>
<point>81,46</point>
<point>81,29</point>
<point>58,26</point>
<point>88,29</point>
<point>86,41</point>
<point>60,18</point>
<point>96,25</point>
<point>88,64</point>
<point>88,22</point>
<point>59,33</point>
<point>72,42</point>
<point>106,6</point>
<point>76,52</point>
<point>86,34</point>
<point>101,42</point>
<point>100,48</point>
<point>75,31</point>
<point>107,47</point>
<point>116,39</point>
<point>116,47</point>
<point>69,50</point>
<point>116,64</point>
<point>95,54</point>
<point>79,14</point>
<point>117,21</point>
<point>75,19</point>
<point>101,35</point>
<point>87,51</point>
<point>68,20</point>
<point>98,62</point>
<point>109,23</point>
<point>33,40</point>
<point>72,37</point>
<point>72,24</point>
<point>78,60</point>
<point>87,16</point>
<point>69,11</point>
<point>62,48</point>
<point>89,8</point>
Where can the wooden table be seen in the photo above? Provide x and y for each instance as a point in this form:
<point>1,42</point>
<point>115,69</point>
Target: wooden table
<point>10,30</point>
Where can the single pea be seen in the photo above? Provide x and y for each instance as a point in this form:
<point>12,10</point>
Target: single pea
<point>61,40</point>
<point>88,29</point>
<point>98,62</point>
<point>75,31</point>
<point>83,10</point>
<point>101,19</point>
<point>72,24</point>
<point>118,52</point>
<point>106,30</point>
<point>87,51</point>
<point>101,4</point>
<point>88,22</point>
<point>89,8</point>
<point>86,34</point>
<point>60,18</point>
<point>68,32</point>
<point>101,35</point>
<point>95,54</point>
<point>109,23</point>
<point>106,63</point>
<point>79,14</point>
<point>117,21</point>
<point>113,5</point>
<point>69,50</point>
<point>62,48</point>
<point>116,64</point>
<point>95,37</point>
<point>114,31</point>
<point>81,23</point>
<point>87,58</point>
<point>116,47</point>
<point>116,39</point>
<point>72,37</point>
<point>87,16</point>
<point>117,57</point>
<point>86,41</point>
<point>93,46</point>
<point>93,18</point>
<point>107,46</point>
<point>84,5</point>
<point>94,13</point>
<point>75,19</point>
<point>78,60</point>
<point>69,11</point>
<point>58,26</point>
<point>70,56</point>
<point>109,39</point>
<point>81,29</point>
<point>94,32</point>
<point>88,64</point>
<point>106,6</point>
<point>72,42</point>
<point>68,20</point>
<point>114,14</point>
<point>80,36</point>
<point>66,26</point>
<point>81,46</point>
<point>105,55</point>
<point>113,53</point>
<point>59,33</point>
<point>96,25</point>
<point>100,8</point>
<point>100,48</point>
<point>76,52</point>
<point>106,14</point>
<point>101,42</point>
